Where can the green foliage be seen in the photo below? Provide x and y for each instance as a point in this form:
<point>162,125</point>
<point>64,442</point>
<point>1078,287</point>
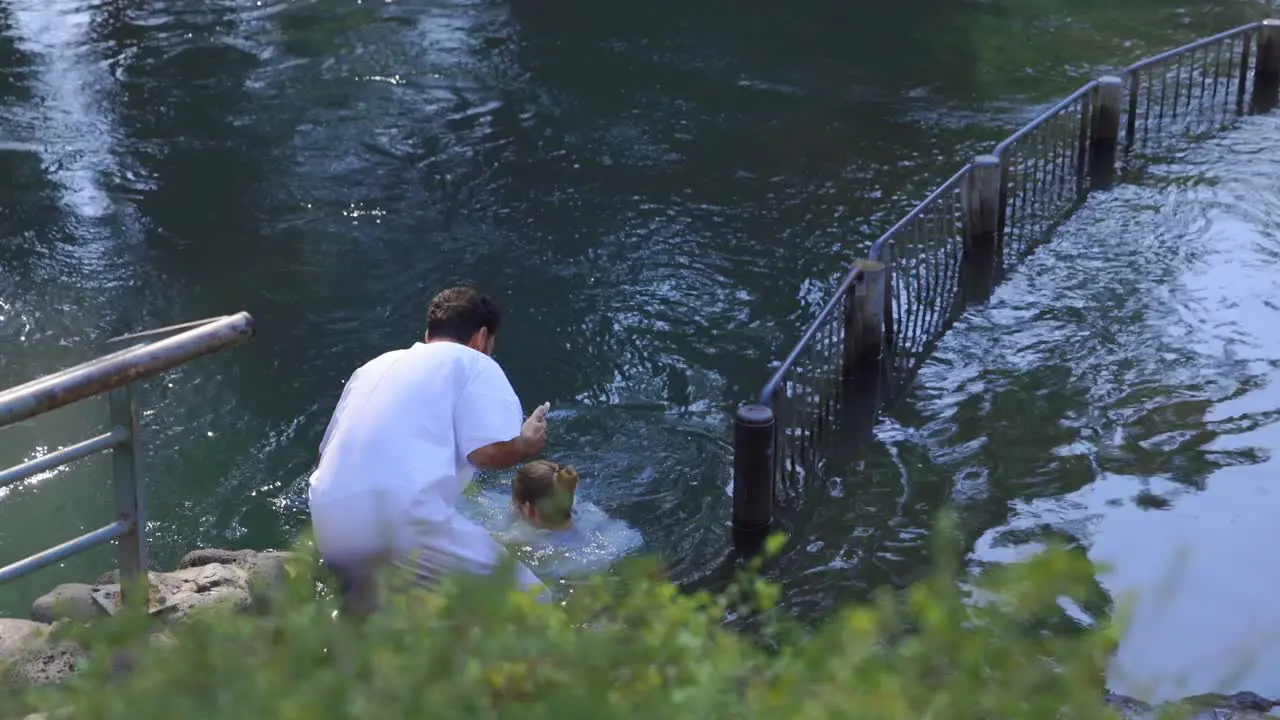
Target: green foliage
<point>619,646</point>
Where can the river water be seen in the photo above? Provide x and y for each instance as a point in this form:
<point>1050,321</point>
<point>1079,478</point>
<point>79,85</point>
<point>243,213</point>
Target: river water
<point>660,194</point>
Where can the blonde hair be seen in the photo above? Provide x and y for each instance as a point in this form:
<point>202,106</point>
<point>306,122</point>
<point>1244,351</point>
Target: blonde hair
<point>548,486</point>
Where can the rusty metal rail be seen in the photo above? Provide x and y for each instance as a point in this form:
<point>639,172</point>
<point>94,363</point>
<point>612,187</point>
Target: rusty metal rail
<point>113,374</point>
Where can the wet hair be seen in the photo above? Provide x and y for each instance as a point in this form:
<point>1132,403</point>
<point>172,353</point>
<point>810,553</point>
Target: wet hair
<point>459,313</point>
<point>549,487</point>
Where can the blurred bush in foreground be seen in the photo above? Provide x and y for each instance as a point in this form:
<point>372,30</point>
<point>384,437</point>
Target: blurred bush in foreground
<point>622,646</point>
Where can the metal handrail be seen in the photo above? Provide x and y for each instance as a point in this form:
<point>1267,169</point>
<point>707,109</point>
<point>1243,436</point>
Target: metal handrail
<point>114,374</point>
<point>1044,118</point>
<point>877,247</point>
<point>959,177</point>
<point>850,278</point>
<point>1189,47</point>
<point>1093,113</point>
<point>121,368</point>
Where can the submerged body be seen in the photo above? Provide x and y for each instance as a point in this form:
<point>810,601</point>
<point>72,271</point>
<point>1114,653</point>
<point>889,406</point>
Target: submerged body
<point>592,543</point>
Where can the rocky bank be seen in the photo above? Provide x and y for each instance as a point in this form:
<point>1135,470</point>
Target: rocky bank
<point>1238,706</point>
<point>246,580</point>
<point>242,579</point>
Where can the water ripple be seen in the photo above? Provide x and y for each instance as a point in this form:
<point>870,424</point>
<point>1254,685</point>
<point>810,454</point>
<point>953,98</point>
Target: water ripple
<point>1144,334</point>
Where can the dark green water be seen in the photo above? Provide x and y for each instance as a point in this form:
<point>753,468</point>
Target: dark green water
<point>660,194</point>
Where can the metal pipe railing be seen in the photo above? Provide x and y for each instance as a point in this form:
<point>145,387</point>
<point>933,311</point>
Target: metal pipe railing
<point>121,368</point>
<point>65,456</point>
<point>115,375</point>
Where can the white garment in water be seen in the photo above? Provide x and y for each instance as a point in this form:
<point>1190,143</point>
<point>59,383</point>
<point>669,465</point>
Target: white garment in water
<point>591,545</point>
<point>393,462</point>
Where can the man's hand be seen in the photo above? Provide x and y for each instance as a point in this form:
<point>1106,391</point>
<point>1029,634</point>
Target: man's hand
<point>526,445</point>
<point>533,434</point>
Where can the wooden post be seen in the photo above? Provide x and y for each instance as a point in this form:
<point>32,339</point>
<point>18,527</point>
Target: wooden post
<point>1104,130</point>
<point>864,316</point>
<point>1266,73</point>
<point>981,201</point>
<point>861,396</point>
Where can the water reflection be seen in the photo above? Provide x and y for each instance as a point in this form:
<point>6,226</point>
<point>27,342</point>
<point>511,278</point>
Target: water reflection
<point>1164,401</point>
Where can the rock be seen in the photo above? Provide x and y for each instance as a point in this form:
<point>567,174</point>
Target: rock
<point>242,579</point>
<point>74,601</point>
<point>180,592</point>
<point>46,664</point>
<point>1129,708</point>
<point>27,657</point>
<point>1239,706</point>
<point>270,575</point>
<point>176,594</point>
<point>1249,701</point>
<point>214,556</point>
<point>268,571</point>
<point>18,636</point>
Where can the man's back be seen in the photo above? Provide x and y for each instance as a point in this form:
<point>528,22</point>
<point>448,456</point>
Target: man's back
<point>393,432</point>
<point>400,446</point>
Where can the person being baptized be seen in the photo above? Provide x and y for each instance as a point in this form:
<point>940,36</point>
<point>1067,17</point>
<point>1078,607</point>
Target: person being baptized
<point>557,535</point>
<point>543,493</point>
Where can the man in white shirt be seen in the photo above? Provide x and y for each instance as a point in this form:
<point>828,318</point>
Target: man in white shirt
<point>410,429</point>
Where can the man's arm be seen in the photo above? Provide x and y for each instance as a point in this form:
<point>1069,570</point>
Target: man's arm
<point>487,419</point>
<point>502,455</point>
<point>526,445</point>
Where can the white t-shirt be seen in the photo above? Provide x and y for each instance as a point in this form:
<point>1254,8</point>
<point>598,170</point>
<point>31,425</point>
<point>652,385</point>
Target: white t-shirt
<point>395,452</point>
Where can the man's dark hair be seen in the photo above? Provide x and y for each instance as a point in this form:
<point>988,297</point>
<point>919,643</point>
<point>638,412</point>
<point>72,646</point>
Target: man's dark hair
<point>459,313</point>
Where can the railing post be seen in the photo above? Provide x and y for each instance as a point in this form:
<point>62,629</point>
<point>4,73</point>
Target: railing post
<point>1131,118</point>
<point>1266,72</point>
<point>981,201</point>
<point>885,255</point>
<point>752,477</point>
<point>128,500</point>
<point>1104,130</point>
<point>864,316</point>
<point>1087,104</point>
<point>1243,73</point>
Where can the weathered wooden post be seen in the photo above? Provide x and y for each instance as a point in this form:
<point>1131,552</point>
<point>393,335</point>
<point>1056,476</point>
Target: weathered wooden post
<point>861,397</point>
<point>864,316</point>
<point>752,477</point>
<point>980,196</point>
<point>1266,73</point>
<point>1104,130</point>
<point>867,308</point>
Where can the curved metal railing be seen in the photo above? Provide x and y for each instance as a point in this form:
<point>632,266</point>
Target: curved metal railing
<point>952,248</point>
